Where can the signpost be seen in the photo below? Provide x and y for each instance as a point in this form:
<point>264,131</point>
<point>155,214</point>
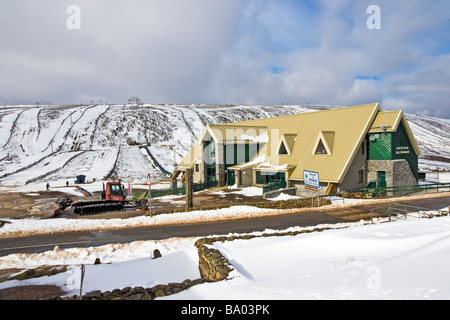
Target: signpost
<point>149,183</point>
<point>311,181</point>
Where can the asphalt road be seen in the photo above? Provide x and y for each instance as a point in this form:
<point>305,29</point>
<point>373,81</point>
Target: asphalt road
<point>41,243</point>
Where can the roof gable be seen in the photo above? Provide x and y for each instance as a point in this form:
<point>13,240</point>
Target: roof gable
<point>388,121</point>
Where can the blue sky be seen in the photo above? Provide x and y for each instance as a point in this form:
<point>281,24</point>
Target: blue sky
<point>227,51</point>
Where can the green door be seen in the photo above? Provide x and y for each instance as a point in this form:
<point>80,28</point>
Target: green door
<point>381,178</point>
<point>211,174</point>
<point>231,178</point>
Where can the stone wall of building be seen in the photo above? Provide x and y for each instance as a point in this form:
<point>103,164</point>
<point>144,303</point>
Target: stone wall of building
<point>398,172</point>
<point>403,176</point>
<point>373,166</point>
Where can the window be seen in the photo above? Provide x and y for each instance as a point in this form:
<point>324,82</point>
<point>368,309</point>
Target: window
<point>211,174</point>
<point>282,149</point>
<point>197,167</point>
<point>263,177</point>
<point>321,148</point>
<point>324,143</point>
<point>116,190</point>
<point>287,142</point>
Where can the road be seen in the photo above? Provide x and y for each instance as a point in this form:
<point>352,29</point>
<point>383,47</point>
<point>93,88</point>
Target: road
<point>41,243</point>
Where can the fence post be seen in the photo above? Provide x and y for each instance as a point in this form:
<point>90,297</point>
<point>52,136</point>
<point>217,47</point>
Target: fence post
<point>189,187</point>
<point>82,279</point>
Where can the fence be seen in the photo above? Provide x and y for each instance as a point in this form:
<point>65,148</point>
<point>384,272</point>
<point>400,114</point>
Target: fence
<point>398,190</point>
<point>395,211</point>
<point>157,193</point>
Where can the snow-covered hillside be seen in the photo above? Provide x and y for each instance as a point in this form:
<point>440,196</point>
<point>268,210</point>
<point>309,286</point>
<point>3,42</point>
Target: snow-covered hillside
<point>56,143</point>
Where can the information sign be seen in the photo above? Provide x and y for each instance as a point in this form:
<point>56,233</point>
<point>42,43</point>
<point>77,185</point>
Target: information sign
<point>311,178</point>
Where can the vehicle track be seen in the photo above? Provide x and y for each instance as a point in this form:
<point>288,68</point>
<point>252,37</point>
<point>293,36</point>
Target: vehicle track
<point>13,128</point>
<point>42,176</point>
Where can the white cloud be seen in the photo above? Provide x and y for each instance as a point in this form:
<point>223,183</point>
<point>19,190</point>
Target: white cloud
<point>160,50</point>
<point>348,63</point>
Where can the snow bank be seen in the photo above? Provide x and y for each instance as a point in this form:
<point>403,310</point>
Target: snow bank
<point>17,227</point>
<point>401,260</point>
<point>405,259</point>
<point>128,265</point>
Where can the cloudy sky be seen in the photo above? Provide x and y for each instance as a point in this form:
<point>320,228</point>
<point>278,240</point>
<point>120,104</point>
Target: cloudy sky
<point>227,51</point>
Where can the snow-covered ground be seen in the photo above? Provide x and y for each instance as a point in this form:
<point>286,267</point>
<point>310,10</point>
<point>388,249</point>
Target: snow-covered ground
<point>404,259</point>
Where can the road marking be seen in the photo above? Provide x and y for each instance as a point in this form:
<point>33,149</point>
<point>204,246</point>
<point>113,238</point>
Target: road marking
<point>43,245</point>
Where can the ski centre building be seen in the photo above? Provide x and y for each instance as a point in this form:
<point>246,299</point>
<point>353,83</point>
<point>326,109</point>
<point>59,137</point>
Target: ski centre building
<point>344,148</point>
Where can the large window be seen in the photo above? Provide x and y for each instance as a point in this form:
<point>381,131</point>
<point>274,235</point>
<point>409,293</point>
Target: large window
<point>263,177</point>
<point>239,153</point>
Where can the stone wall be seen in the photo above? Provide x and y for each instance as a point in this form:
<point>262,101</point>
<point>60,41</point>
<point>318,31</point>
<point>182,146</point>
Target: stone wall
<point>212,265</point>
<point>139,293</point>
<point>276,193</point>
<point>403,176</point>
<point>398,172</point>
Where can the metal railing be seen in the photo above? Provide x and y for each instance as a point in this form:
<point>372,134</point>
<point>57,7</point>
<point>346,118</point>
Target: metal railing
<point>382,191</point>
<point>157,193</point>
<point>394,211</point>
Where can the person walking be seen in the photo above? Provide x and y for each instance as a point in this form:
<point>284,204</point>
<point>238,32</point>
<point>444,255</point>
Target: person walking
<point>48,186</point>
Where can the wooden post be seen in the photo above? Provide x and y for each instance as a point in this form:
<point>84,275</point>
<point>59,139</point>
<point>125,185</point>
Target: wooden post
<point>149,183</point>
<point>150,198</point>
<point>189,187</point>
<point>81,282</point>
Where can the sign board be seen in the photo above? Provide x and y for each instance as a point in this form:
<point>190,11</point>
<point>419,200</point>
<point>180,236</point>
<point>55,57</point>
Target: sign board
<point>311,178</point>
<point>311,188</point>
<point>149,183</point>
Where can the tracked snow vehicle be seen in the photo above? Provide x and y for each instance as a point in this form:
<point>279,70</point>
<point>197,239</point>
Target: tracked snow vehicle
<point>113,199</point>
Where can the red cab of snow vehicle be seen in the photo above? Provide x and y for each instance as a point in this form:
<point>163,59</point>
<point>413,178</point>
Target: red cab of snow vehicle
<point>113,192</point>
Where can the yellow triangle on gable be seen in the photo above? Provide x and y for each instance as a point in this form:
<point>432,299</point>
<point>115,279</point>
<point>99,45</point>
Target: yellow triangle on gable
<point>286,144</point>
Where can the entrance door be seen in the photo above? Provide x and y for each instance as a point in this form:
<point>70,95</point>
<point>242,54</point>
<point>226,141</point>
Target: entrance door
<point>211,174</point>
<point>231,178</point>
<point>381,179</point>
